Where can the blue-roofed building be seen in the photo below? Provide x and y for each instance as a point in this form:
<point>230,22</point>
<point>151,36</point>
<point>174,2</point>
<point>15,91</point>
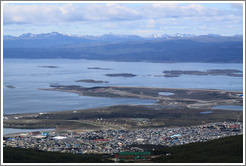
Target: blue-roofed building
<point>45,133</point>
<point>175,135</point>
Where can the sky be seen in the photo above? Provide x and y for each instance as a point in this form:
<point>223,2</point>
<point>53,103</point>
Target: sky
<point>143,19</point>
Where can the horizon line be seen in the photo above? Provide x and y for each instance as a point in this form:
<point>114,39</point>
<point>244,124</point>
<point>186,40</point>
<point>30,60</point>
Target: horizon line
<point>115,34</point>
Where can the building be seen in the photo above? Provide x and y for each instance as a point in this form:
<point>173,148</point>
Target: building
<point>45,133</point>
<point>122,156</point>
<point>35,133</point>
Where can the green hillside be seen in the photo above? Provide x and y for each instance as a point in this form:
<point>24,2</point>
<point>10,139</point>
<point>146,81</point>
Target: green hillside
<point>18,155</point>
<point>225,150</point>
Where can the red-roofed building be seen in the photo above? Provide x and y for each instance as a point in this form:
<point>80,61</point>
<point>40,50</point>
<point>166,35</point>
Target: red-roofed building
<point>233,126</point>
<point>35,133</point>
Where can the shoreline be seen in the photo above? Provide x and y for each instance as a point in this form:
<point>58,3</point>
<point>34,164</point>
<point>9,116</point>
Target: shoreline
<point>22,131</point>
<point>198,98</point>
<point>183,108</point>
<point>143,87</point>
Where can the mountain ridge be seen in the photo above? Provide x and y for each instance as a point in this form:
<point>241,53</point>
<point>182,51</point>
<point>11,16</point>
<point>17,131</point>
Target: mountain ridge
<point>111,37</point>
<point>187,48</point>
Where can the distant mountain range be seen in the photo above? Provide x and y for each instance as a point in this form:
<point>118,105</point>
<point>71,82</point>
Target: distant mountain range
<point>156,48</point>
<point>56,39</point>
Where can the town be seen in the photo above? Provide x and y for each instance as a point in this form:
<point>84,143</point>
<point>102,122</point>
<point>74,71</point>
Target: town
<point>114,141</point>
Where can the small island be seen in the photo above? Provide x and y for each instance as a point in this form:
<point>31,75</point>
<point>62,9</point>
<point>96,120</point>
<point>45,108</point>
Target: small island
<point>98,68</point>
<point>121,75</point>
<point>49,66</point>
<point>212,72</point>
<point>10,86</point>
<point>91,81</point>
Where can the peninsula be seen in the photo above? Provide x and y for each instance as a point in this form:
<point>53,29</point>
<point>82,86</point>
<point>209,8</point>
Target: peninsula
<point>184,107</point>
<point>185,98</point>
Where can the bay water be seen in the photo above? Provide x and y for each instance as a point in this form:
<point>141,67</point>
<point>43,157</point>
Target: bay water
<point>23,78</point>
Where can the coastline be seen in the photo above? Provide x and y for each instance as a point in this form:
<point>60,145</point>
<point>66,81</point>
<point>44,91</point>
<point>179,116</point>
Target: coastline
<point>191,98</point>
<point>183,108</point>
<point>8,133</point>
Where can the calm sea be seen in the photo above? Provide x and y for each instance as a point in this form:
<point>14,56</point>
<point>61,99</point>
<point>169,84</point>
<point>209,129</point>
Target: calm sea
<point>27,76</point>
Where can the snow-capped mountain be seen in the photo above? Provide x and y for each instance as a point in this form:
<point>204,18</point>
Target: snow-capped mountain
<point>170,36</point>
<point>158,48</point>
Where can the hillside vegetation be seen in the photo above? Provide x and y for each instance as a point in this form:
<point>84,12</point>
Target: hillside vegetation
<point>225,150</point>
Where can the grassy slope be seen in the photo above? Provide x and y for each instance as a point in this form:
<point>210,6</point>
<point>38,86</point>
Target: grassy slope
<point>225,150</point>
<point>165,117</point>
<point>18,155</point>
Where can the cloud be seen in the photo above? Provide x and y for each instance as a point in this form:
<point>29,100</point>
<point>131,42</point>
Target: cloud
<point>177,11</point>
<point>237,5</point>
<point>54,14</point>
<point>48,14</point>
<point>24,14</point>
<point>100,18</point>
